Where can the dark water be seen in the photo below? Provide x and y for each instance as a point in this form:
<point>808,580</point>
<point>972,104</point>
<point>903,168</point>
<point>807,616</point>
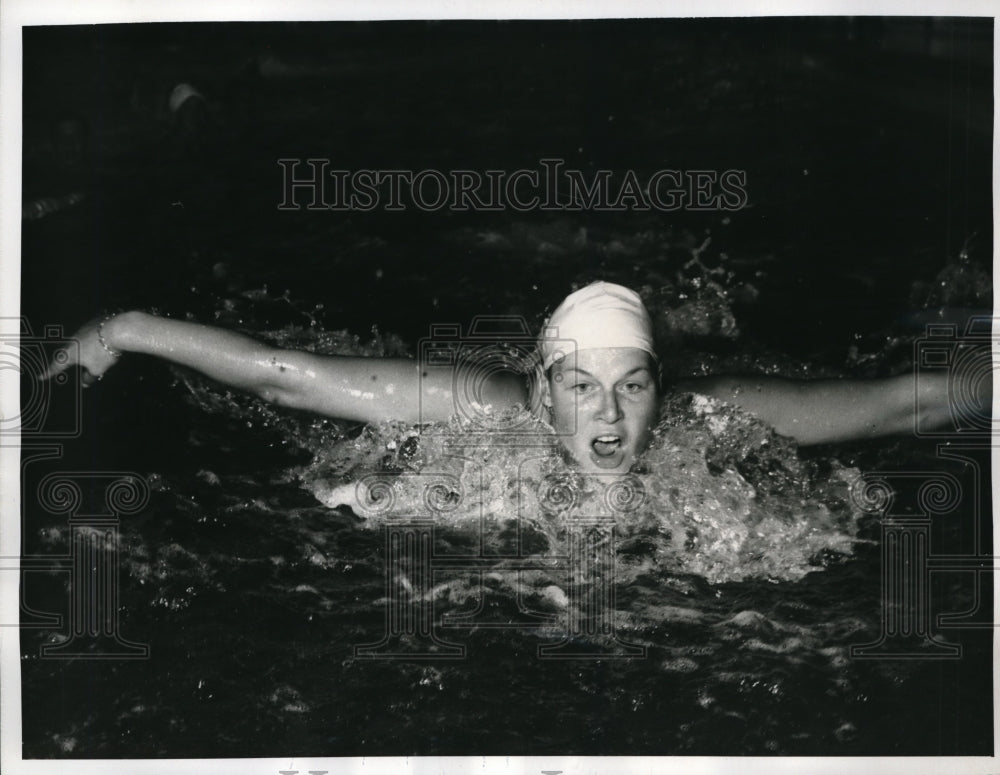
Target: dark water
<point>869,201</point>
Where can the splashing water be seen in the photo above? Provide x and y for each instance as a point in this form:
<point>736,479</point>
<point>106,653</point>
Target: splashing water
<point>717,494</point>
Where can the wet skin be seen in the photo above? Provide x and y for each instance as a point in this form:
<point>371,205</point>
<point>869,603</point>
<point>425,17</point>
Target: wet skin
<point>604,404</point>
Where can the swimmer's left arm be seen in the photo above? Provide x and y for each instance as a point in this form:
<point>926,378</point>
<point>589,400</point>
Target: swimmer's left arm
<point>823,411</point>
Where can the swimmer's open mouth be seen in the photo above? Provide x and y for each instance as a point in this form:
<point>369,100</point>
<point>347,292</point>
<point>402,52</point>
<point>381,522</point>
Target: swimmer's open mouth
<point>607,445</point>
<point>606,451</point>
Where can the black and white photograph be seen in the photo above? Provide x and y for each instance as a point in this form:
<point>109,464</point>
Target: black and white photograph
<point>479,385</point>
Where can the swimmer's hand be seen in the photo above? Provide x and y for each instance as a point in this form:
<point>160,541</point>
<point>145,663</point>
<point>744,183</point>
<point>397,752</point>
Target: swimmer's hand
<point>95,353</point>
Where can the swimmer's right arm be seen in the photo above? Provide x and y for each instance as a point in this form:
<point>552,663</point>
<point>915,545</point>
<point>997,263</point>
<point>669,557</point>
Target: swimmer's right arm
<point>349,388</point>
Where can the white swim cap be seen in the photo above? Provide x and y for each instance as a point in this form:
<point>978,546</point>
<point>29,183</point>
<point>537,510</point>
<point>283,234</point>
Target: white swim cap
<point>599,315</point>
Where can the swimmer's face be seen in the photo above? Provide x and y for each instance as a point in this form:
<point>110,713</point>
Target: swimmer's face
<point>609,397</point>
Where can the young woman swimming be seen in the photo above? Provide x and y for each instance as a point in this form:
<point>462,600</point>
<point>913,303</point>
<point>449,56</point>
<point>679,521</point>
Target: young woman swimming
<point>597,381</point>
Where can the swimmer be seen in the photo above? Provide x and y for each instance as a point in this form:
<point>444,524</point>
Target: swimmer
<point>597,383</point>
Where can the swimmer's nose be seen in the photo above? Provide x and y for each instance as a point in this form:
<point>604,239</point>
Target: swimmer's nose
<point>609,411</point>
